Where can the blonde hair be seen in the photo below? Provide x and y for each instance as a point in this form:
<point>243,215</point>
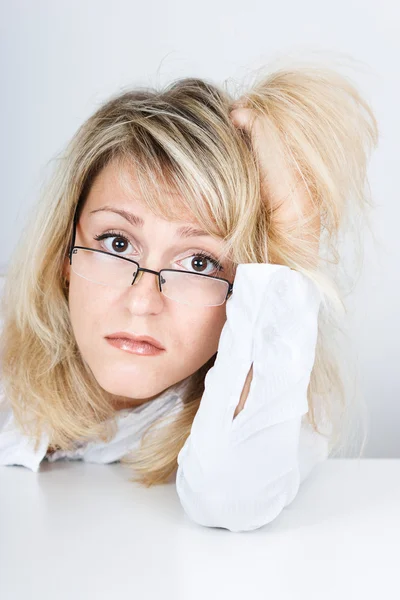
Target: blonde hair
<point>182,137</point>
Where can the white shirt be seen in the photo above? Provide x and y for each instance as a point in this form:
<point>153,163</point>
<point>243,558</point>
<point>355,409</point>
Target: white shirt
<point>236,473</point>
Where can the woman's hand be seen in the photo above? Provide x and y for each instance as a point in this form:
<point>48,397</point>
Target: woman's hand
<point>283,191</point>
<point>275,184</point>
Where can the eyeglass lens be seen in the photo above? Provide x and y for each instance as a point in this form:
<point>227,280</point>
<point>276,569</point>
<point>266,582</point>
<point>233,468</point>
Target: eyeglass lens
<point>192,289</point>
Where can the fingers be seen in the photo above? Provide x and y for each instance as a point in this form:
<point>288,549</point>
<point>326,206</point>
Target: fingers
<point>243,118</point>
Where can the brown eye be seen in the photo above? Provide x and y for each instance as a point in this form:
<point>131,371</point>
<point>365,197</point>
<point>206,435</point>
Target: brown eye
<point>119,242</point>
<point>199,263</point>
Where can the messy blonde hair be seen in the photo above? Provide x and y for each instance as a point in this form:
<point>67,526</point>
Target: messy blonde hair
<point>182,137</point>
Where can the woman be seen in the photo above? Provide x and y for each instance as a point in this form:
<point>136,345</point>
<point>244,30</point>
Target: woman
<point>197,223</point>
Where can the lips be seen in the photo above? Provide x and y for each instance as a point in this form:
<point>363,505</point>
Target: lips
<point>132,347</point>
<point>145,339</point>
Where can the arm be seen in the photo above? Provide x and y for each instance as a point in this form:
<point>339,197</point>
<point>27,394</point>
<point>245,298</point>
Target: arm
<point>276,190</point>
<point>239,472</point>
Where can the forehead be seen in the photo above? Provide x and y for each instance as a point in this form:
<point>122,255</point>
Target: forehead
<point>115,191</point>
<point>117,186</point>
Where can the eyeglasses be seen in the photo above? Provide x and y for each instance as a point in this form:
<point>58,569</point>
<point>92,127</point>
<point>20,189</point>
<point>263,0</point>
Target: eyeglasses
<point>192,289</point>
<point>185,287</point>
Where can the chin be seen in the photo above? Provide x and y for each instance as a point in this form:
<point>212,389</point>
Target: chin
<point>129,392</point>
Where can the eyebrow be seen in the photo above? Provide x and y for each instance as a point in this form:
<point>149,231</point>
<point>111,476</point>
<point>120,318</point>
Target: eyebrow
<point>183,232</point>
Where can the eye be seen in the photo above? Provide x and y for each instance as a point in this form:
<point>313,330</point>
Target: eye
<point>118,246</point>
<point>198,263</point>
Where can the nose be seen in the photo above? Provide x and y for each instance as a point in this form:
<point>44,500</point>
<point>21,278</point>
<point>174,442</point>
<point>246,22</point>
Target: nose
<point>144,298</point>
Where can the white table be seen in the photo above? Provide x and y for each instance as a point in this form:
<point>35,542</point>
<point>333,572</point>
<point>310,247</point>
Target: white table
<point>84,531</point>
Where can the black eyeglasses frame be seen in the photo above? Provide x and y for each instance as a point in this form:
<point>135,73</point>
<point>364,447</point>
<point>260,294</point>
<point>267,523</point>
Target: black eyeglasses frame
<point>142,269</point>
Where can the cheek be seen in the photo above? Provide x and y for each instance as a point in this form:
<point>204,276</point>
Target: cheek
<point>199,334</point>
<point>87,307</point>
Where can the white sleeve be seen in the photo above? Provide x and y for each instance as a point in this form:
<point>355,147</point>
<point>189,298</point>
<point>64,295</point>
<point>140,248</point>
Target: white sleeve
<point>239,473</point>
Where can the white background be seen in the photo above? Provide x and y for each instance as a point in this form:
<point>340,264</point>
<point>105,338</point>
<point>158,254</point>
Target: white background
<point>60,60</point>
